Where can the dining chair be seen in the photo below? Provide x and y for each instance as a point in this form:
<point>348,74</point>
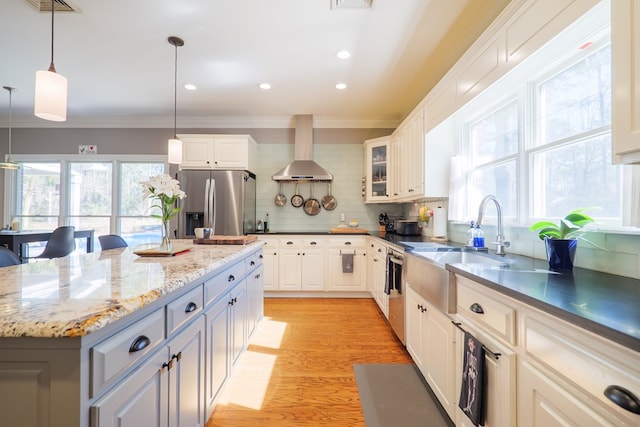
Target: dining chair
<point>61,243</point>
<point>111,241</point>
<point>7,257</point>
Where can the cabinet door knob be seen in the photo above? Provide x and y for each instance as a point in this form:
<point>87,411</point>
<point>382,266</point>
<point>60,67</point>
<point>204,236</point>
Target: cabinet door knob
<point>139,343</point>
<point>623,398</point>
<point>191,307</point>
<point>476,308</point>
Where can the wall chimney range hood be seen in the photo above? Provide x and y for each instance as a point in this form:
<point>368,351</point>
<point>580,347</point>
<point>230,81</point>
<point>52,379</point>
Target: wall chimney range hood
<point>303,168</point>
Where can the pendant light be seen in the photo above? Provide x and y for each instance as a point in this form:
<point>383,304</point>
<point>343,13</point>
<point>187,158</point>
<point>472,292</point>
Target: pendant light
<point>51,88</point>
<point>9,164</point>
<point>175,145</point>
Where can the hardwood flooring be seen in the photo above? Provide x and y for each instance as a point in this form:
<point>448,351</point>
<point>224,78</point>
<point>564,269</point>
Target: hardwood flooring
<point>298,368</point>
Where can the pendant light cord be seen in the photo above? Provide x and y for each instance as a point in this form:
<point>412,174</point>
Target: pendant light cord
<point>175,95</point>
<point>52,68</point>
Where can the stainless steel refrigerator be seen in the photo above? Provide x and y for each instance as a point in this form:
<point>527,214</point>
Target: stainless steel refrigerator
<point>222,200</point>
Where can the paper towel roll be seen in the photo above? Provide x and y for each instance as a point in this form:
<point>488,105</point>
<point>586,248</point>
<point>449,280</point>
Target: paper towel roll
<point>440,222</point>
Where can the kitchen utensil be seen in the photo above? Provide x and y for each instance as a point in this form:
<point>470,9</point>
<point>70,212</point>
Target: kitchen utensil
<point>296,199</point>
<point>281,199</point>
<point>329,202</point>
<point>311,205</point>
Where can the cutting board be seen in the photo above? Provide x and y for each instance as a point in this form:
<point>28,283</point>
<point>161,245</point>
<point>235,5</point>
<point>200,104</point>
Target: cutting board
<point>348,231</point>
<point>226,240</point>
<point>175,250</point>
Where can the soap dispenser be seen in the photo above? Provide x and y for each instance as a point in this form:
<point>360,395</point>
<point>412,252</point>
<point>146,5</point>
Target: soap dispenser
<point>478,238</point>
<point>471,233</point>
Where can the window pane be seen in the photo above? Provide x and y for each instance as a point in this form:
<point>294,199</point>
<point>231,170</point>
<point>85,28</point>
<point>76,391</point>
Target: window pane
<point>140,230</point>
<point>132,202</point>
<point>499,180</point>
<point>90,188</point>
<point>574,176</point>
<point>99,225</point>
<point>495,136</point>
<point>39,189</point>
<point>578,99</point>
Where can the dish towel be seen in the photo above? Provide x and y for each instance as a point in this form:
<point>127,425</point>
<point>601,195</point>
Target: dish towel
<point>471,393</point>
<point>347,261</point>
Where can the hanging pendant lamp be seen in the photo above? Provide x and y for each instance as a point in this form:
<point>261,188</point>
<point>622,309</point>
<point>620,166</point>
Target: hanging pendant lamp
<point>9,164</point>
<point>51,88</point>
<point>175,145</point>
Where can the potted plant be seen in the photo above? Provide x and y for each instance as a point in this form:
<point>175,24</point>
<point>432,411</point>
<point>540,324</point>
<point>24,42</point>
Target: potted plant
<point>561,239</point>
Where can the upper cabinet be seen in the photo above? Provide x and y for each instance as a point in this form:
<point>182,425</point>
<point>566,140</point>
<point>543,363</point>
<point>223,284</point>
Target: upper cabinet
<point>625,45</point>
<point>408,157</point>
<point>231,152</point>
<point>377,173</point>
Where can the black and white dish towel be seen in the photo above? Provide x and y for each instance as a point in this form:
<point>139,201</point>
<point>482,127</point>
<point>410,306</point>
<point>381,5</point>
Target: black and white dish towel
<point>472,391</point>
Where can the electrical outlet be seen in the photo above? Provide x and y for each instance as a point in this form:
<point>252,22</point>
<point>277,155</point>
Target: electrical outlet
<point>342,217</point>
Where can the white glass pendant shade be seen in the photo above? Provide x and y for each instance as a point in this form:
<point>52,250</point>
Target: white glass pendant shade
<point>175,151</point>
<point>51,96</point>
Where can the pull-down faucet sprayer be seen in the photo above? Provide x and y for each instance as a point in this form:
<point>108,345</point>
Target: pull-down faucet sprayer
<point>500,242</point>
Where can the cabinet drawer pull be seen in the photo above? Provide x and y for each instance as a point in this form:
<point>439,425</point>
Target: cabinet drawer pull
<point>231,278</point>
<point>289,242</point>
<point>191,307</point>
<point>139,343</point>
<point>313,243</point>
<point>623,398</point>
<point>476,308</point>
<point>347,243</point>
<point>260,257</point>
<point>252,263</point>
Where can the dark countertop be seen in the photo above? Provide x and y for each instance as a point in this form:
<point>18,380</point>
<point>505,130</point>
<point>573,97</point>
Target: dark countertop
<point>605,304</point>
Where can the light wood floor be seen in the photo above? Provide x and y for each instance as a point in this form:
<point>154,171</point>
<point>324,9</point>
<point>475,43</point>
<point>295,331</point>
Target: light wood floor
<point>298,369</point>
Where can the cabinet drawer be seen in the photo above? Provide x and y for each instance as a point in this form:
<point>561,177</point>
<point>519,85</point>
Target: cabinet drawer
<point>350,242</point>
<point>221,282</point>
<point>498,318</point>
<point>184,308</point>
<point>587,362</point>
<point>112,356</point>
<point>253,261</point>
<point>290,242</point>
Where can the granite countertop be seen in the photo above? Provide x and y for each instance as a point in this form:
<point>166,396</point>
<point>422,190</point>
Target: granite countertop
<point>79,294</point>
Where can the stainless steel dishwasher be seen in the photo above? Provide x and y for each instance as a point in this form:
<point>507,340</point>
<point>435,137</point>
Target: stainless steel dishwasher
<point>394,287</point>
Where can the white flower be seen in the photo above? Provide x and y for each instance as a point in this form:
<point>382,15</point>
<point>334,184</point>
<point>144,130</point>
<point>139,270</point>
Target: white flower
<point>167,191</point>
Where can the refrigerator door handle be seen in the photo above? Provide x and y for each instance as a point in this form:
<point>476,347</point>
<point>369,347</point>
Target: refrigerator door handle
<point>212,205</point>
<point>207,190</point>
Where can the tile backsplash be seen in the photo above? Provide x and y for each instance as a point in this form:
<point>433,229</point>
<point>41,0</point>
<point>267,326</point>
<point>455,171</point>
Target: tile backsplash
<point>344,161</point>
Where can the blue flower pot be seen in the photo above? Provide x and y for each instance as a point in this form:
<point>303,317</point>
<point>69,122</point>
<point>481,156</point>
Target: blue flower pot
<point>560,253</point>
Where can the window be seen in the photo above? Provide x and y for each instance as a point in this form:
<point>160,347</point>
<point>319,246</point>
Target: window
<point>540,138</point>
<point>103,194</point>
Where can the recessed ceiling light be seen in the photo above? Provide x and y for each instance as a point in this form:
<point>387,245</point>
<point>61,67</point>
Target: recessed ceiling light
<point>190,86</point>
<point>343,54</point>
<point>341,86</point>
<point>264,86</point>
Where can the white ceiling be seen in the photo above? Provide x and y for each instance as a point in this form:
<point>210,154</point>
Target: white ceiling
<point>120,66</point>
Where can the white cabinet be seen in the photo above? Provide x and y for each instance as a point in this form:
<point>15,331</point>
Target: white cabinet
<point>167,390</point>
<point>377,274</point>
<point>301,264</point>
<point>271,263</point>
<point>490,318</point>
<point>625,44</point>
<point>377,170</point>
<point>408,157</point>
<point>203,151</point>
<point>341,278</point>
<point>565,374</point>
<point>431,340</point>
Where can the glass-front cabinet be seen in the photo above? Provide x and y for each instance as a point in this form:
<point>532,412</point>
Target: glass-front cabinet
<point>377,170</point>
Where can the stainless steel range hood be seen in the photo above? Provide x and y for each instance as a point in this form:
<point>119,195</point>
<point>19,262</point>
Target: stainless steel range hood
<point>303,168</point>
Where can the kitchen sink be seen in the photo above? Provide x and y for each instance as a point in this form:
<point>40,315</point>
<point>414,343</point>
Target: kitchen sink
<point>460,256</point>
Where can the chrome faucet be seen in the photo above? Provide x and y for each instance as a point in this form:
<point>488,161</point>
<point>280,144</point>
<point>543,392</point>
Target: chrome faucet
<point>500,242</point>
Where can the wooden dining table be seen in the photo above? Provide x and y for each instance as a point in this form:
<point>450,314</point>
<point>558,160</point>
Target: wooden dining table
<point>16,240</point>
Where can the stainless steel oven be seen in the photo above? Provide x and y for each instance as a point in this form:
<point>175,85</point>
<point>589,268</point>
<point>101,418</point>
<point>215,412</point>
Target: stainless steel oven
<point>394,287</point>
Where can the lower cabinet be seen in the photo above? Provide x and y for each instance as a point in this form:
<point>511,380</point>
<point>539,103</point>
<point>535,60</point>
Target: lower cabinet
<point>341,277</point>
<point>431,342</point>
<point>377,275</point>
<point>167,390</point>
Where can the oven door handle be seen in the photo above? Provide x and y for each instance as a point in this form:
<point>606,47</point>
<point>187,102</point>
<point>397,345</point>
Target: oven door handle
<point>396,260</point>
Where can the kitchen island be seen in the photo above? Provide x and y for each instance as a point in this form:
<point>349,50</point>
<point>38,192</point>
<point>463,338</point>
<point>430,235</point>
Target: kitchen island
<point>110,337</point>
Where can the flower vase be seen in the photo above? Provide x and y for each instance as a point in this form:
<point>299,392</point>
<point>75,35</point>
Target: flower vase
<point>165,244</point>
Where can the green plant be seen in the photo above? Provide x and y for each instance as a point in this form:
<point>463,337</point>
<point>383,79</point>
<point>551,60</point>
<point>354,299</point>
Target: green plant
<point>569,227</point>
